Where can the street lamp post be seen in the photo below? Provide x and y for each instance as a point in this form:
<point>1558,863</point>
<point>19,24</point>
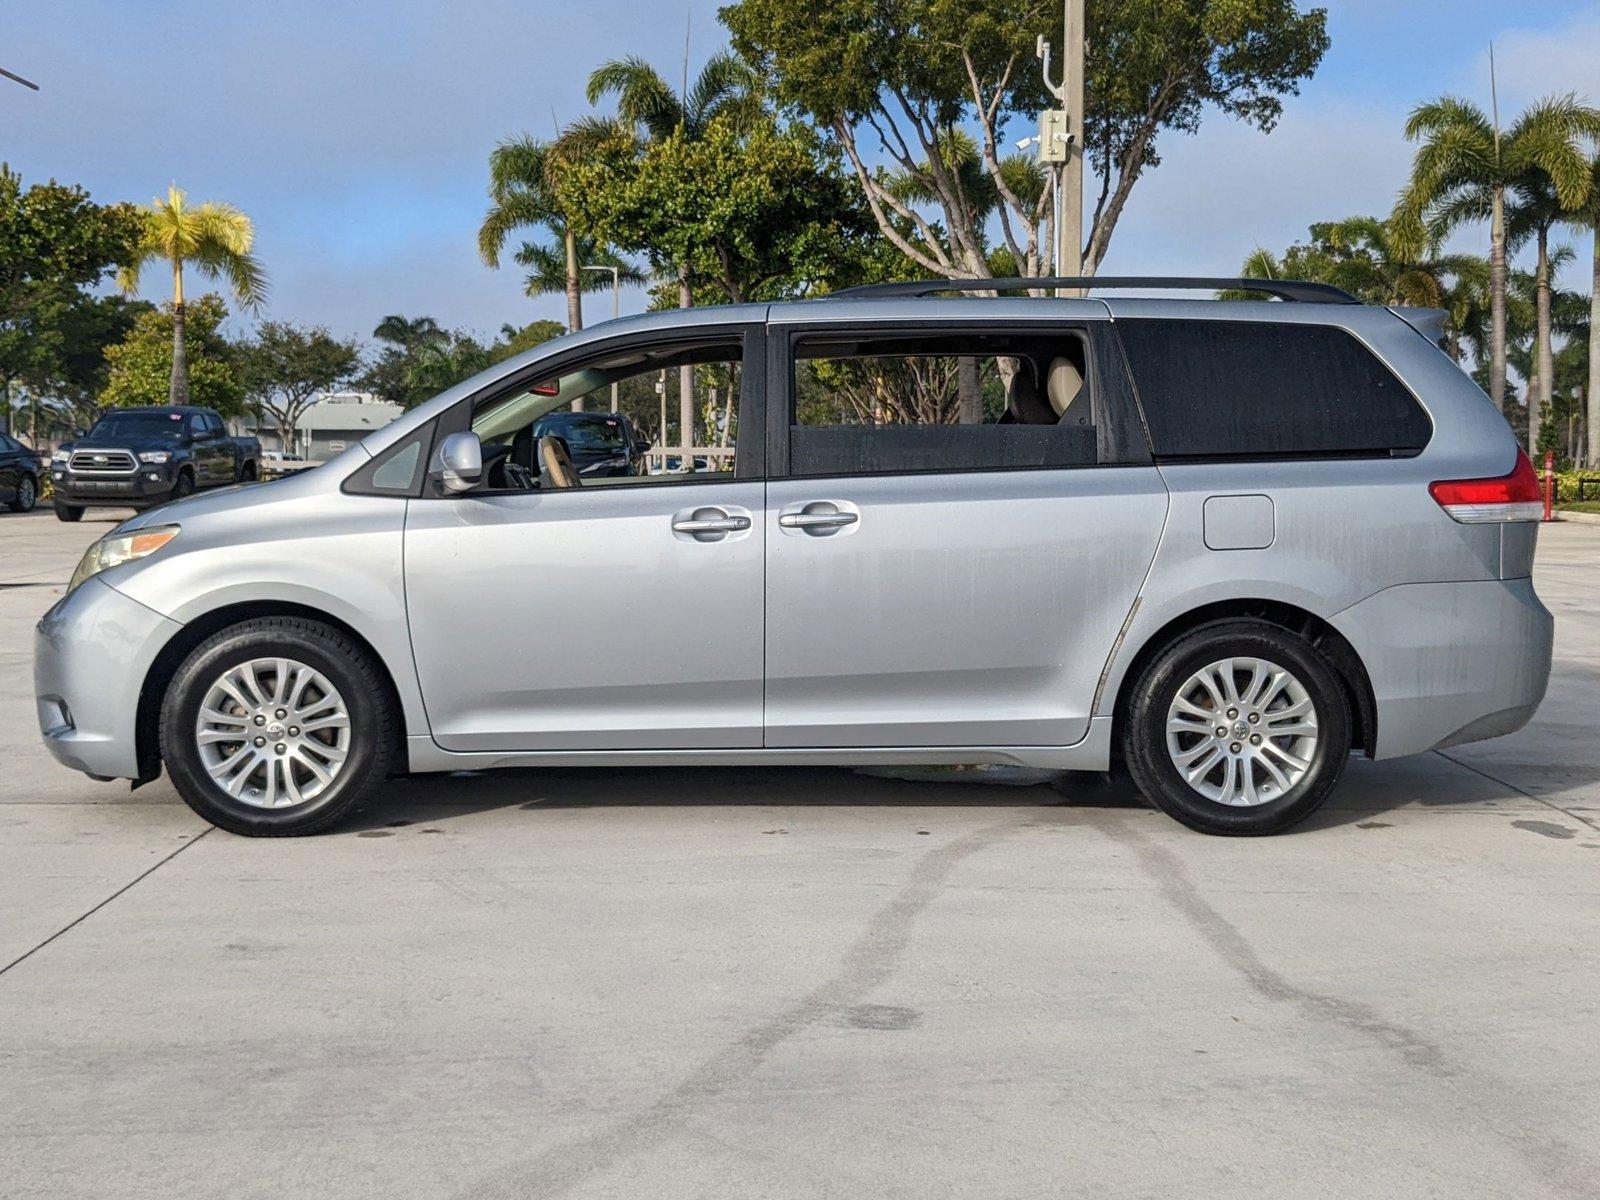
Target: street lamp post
<point>616,310</point>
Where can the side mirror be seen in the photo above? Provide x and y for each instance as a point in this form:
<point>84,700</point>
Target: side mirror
<point>460,462</point>
<point>641,445</point>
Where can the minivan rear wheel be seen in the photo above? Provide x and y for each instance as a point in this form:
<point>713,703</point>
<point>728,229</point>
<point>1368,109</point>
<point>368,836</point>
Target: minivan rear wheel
<point>1238,727</point>
<point>277,726</point>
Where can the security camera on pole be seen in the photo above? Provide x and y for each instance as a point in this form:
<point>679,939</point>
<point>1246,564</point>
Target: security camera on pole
<point>1060,141</point>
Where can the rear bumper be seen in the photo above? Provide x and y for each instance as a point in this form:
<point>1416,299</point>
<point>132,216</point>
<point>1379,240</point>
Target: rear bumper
<point>1451,662</point>
<point>149,483</point>
<point>91,653</point>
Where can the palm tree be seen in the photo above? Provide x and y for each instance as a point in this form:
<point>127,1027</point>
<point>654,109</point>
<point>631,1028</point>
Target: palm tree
<point>647,105</point>
<point>1535,215</point>
<point>1589,214</point>
<point>547,267</point>
<point>216,240</point>
<point>522,195</point>
<point>1371,260</point>
<point>1465,166</point>
<point>410,333</point>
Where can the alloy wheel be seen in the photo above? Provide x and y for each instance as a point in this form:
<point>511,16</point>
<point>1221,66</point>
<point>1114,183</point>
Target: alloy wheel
<point>1242,731</point>
<point>273,732</point>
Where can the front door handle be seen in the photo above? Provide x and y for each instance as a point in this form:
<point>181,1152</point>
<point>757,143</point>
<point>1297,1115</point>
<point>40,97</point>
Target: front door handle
<point>708,523</point>
<point>805,520</point>
<point>711,524</point>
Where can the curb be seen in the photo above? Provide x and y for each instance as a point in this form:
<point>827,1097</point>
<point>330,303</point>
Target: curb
<point>1578,518</point>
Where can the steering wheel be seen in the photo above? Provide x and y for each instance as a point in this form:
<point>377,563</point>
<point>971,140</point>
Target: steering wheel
<point>556,460</point>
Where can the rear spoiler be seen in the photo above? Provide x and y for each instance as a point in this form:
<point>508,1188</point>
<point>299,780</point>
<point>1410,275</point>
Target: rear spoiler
<point>1429,322</point>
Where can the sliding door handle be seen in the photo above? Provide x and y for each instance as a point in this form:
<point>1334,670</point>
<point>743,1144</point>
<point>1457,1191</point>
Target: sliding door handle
<point>808,520</point>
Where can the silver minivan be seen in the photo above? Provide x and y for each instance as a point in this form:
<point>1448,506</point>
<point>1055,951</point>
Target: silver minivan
<point>1222,542</point>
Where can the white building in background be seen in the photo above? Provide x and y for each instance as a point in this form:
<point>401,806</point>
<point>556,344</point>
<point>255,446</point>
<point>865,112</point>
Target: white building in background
<point>334,422</point>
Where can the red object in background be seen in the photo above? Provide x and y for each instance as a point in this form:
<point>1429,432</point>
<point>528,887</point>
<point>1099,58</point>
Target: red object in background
<point>1549,485</point>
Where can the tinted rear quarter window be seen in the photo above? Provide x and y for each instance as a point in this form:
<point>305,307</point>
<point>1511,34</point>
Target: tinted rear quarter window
<point>1266,389</point>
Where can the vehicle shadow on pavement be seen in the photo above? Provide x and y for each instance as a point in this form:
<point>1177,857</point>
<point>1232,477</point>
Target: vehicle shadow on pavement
<point>1368,789</point>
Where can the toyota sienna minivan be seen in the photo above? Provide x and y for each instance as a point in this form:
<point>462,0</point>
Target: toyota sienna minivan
<point>1224,542</point>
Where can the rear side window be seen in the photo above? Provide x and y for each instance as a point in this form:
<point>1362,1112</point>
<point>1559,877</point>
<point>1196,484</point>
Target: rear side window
<point>957,401</point>
<point>1263,389</point>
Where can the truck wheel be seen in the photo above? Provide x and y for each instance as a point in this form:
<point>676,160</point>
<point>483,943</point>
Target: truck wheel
<point>68,512</point>
<point>1238,727</point>
<point>184,486</point>
<point>247,473</point>
<point>278,726</point>
<point>27,493</point>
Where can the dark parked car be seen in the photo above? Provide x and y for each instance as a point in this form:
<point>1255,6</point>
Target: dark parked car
<point>602,444</point>
<point>147,456</point>
<point>19,475</point>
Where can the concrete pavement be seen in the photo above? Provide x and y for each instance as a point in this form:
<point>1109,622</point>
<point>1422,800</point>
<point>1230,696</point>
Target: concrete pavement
<point>712,983</point>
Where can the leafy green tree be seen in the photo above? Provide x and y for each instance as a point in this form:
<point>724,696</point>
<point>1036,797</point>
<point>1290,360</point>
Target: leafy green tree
<point>56,245</point>
<point>216,240</point>
<point>513,341</point>
<point>285,366</point>
<point>419,359</point>
<point>1465,168</point>
<point>903,75</point>
<point>139,368</point>
<point>755,213</point>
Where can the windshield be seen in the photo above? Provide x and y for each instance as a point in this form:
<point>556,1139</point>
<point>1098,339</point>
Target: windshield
<point>143,426</point>
<point>585,433</point>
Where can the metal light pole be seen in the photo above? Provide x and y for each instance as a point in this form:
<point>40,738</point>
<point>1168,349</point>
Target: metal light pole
<point>1061,140</point>
<point>616,310</point>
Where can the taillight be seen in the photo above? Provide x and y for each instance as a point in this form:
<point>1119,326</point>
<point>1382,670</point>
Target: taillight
<point>1513,497</point>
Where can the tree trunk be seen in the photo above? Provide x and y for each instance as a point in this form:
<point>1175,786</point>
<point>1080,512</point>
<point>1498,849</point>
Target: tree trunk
<point>574,296</point>
<point>1539,397</point>
<point>969,402</point>
<point>1592,417</point>
<point>178,390</point>
<point>686,380</point>
<point>1497,300</point>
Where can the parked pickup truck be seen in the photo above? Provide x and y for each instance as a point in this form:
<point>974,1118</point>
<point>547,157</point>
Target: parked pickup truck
<point>141,457</point>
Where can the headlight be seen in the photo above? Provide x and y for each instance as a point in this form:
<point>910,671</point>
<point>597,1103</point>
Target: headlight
<point>117,548</point>
<point>60,456</point>
<point>155,456</point>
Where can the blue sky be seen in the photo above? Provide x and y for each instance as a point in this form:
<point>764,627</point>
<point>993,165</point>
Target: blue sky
<point>356,134</point>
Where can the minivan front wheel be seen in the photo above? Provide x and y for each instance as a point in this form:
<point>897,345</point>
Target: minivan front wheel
<point>1238,727</point>
<point>277,726</point>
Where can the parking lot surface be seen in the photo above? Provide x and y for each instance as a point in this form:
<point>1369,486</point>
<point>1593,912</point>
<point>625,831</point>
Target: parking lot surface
<point>809,983</point>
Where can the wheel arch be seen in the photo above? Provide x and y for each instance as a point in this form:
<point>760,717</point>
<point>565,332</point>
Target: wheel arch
<point>198,629</point>
<point>1341,655</point>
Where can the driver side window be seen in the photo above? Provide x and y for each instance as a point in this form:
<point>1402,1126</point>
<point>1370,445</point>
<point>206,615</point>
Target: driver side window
<point>619,419</point>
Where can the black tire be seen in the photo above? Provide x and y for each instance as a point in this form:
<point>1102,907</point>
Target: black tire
<point>184,486</point>
<point>247,473</point>
<point>68,512</point>
<point>1144,733</point>
<point>27,494</point>
<point>374,723</point>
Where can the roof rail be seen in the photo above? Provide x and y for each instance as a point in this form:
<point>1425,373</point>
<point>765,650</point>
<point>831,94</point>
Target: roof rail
<point>1283,289</point>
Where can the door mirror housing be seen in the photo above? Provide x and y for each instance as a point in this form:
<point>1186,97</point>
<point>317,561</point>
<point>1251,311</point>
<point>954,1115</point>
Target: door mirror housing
<point>460,462</point>
<point>641,445</point>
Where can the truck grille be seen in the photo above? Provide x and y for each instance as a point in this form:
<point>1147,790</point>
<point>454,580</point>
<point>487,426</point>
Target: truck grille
<point>103,462</point>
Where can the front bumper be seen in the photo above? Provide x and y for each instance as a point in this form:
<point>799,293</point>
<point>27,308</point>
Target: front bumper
<point>1451,662</point>
<point>149,483</point>
<point>91,653</point>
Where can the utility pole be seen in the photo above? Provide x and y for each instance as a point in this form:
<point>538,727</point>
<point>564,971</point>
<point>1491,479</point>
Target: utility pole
<point>616,310</point>
<point>1061,140</point>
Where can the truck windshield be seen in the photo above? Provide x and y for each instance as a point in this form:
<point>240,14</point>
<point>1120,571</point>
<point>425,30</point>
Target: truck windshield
<point>145,426</point>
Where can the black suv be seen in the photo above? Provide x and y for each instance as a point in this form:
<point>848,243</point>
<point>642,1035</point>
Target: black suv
<point>602,444</point>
